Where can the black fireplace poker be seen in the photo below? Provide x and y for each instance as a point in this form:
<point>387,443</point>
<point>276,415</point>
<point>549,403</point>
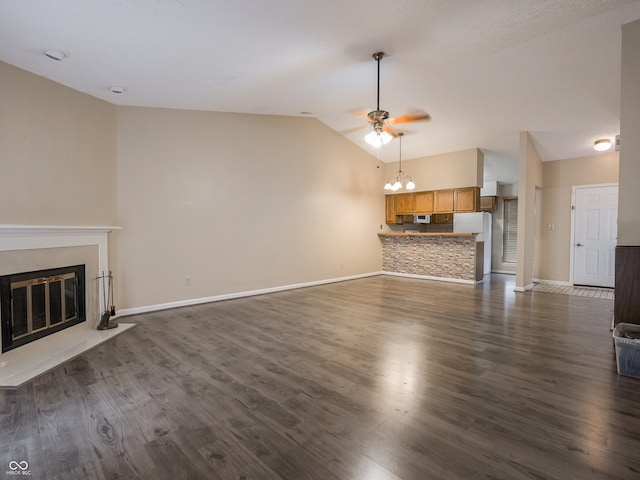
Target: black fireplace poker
<point>107,294</point>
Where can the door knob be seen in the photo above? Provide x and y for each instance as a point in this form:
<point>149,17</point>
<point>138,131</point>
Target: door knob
<point>579,245</point>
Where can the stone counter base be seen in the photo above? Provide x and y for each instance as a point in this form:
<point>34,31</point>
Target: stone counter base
<point>435,256</point>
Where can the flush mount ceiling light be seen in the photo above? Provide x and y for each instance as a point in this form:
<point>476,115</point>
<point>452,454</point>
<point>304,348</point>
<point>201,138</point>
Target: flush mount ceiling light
<point>400,180</point>
<point>602,144</point>
<point>57,55</point>
<point>117,89</point>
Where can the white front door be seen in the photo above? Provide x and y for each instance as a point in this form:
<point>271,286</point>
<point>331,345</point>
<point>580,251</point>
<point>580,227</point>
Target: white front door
<point>595,233</point>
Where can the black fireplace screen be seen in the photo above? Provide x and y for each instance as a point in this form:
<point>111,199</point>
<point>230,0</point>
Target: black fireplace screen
<point>36,304</point>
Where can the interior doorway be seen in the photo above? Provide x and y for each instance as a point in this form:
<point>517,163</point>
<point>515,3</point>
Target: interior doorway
<point>595,227</point>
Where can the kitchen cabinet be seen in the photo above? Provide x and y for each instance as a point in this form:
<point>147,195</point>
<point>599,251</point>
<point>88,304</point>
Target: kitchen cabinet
<point>431,202</point>
<point>487,204</point>
<point>409,204</point>
<point>443,201</point>
<point>390,209</point>
<point>466,199</point>
<point>405,204</point>
<point>424,202</point>
<point>442,218</point>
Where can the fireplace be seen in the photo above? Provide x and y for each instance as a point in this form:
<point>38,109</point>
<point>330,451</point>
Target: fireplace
<point>30,248</point>
<point>38,303</point>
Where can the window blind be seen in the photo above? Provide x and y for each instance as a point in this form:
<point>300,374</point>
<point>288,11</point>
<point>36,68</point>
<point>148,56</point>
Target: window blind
<point>510,232</point>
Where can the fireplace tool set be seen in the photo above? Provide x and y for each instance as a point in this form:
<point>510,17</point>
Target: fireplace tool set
<point>107,294</point>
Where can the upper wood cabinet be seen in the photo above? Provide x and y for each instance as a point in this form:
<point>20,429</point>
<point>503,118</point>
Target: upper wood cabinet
<point>424,202</point>
<point>437,201</point>
<point>443,201</point>
<point>487,204</point>
<point>405,204</point>
<point>440,218</point>
<point>466,199</point>
<point>390,210</point>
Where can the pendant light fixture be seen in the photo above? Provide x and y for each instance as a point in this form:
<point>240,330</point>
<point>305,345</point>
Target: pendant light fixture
<point>400,180</point>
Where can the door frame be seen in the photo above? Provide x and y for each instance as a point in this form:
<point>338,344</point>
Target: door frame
<point>537,233</point>
<point>573,220</point>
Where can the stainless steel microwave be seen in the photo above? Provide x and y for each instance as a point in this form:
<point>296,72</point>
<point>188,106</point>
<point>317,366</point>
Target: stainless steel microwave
<point>422,219</point>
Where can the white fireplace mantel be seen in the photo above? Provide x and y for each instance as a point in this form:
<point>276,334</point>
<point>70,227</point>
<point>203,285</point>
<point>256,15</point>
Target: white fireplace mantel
<point>29,361</point>
<point>28,237</point>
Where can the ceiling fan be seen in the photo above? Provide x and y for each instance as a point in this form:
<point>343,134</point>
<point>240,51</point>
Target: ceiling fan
<point>379,120</point>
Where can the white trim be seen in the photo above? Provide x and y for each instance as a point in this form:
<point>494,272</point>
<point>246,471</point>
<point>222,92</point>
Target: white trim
<point>507,272</point>
<point>54,228</point>
<point>30,237</point>
<point>230,296</point>
<point>429,277</point>
<point>553,282</point>
<point>523,289</point>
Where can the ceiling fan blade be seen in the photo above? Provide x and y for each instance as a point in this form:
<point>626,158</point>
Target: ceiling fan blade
<point>390,131</point>
<point>415,117</point>
<point>360,113</point>
<point>354,129</point>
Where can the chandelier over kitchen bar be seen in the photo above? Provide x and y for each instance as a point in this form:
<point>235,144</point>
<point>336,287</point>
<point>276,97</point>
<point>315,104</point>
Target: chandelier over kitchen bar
<point>401,180</point>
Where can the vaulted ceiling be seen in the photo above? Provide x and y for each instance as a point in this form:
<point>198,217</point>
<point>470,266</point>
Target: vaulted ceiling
<point>483,69</point>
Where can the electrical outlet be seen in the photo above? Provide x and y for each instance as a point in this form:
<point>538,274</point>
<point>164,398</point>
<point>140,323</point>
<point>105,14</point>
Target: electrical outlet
<point>550,226</point>
<point>187,281</point>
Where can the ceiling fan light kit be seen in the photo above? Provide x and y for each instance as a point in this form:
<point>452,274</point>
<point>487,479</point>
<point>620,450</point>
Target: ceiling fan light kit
<point>377,138</point>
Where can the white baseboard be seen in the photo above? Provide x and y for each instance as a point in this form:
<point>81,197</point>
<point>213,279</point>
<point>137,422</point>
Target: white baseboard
<point>229,296</point>
<point>506,272</point>
<point>523,289</point>
<point>429,277</point>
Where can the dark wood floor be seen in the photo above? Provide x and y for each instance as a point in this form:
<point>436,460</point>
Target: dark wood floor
<point>377,378</point>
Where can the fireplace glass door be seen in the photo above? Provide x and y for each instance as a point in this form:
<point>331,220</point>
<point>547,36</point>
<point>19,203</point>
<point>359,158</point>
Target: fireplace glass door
<point>35,304</point>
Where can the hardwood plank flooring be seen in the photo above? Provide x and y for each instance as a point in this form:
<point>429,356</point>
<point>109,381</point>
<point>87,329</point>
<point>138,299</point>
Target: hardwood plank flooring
<point>376,378</point>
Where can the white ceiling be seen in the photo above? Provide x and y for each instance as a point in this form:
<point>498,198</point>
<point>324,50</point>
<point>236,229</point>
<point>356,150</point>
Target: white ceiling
<point>484,69</point>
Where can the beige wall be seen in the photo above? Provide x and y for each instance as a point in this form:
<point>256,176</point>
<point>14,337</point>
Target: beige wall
<point>236,202</point>
<point>57,152</point>
<point>559,177</point>
<point>530,178</point>
<point>449,170</point>
<point>239,203</point>
<point>628,218</point>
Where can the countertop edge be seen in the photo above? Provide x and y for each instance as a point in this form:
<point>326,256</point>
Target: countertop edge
<point>433,234</point>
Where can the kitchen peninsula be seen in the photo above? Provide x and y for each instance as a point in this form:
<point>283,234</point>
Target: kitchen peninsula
<point>456,257</point>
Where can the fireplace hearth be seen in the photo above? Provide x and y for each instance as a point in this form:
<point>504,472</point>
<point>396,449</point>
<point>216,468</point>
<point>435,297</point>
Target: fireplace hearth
<point>39,303</point>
